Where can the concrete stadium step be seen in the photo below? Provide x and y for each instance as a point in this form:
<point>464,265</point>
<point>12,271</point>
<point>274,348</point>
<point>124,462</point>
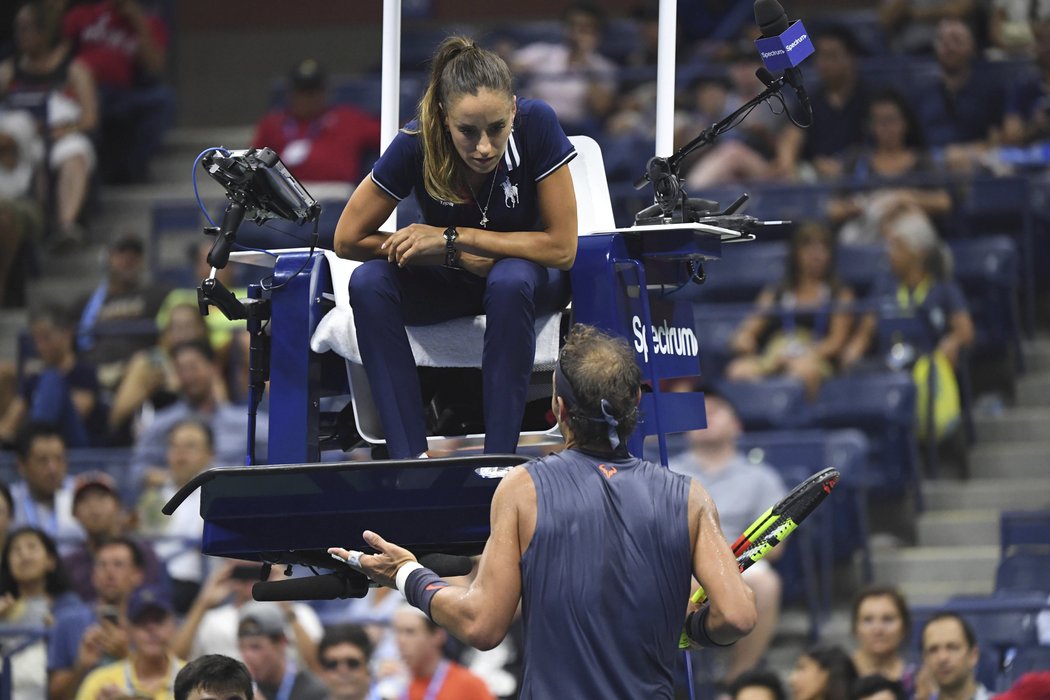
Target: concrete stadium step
<point>1018,460</point>
<point>1000,494</point>
<point>938,592</point>
<point>961,567</point>
<point>959,528</point>
<point>12,322</point>
<point>1033,389</point>
<point>1037,355</point>
<point>1020,423</point>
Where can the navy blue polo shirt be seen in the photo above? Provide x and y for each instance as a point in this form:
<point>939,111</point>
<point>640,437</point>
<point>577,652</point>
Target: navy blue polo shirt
<point>536,148</point>
<point>963,116</point>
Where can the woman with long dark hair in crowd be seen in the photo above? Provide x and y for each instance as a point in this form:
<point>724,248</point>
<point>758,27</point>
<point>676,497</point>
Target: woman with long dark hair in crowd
<point>33,586</point>
<point>800,325</point>
<point>894,156</point>
<point>823,673</point>
<point>881,623</point>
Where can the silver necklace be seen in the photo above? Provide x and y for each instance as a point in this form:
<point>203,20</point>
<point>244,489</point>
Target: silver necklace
<point>484,212</point>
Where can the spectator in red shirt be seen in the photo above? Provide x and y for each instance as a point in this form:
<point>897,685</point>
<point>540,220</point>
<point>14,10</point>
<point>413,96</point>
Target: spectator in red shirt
<point>317,140</point>
<point>126,49</point>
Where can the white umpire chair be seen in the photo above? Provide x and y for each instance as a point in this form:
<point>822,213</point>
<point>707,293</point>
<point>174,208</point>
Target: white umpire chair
<point>458,342</point>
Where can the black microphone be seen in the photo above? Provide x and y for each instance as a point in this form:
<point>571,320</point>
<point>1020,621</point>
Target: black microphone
<point>445,565</point>
<point>323,587</point>
<point>772,21</point>
<point>333,586</point>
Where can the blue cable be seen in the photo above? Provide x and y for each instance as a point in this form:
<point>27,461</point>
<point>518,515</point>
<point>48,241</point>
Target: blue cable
<point>193,176</point>
<point>197,194</point>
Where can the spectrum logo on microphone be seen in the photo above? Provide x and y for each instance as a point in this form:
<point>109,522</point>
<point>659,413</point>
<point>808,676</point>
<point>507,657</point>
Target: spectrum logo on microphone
<point>786,50</point>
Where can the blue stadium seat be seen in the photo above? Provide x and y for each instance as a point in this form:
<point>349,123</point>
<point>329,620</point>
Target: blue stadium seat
<point>1021,528</point>
<point>419,43</point>
<point>860,265</point>
<point>715,326</point>
<point>988,270</point>
<point>741,273</point>
<point>174,227</point>
<point>770,404</point>
<point>1025,660</point>
<point>882,405</point>
<point>1003,206</point>
<point>1024,570</point>
<point>846,450</point>
<point>863,24</point>
<point>793,203</point>
<point>524,33</point>
<point>619,38</point>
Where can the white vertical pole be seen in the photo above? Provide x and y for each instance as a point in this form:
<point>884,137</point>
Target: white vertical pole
<point>665,65</point>
<point>391,79</point>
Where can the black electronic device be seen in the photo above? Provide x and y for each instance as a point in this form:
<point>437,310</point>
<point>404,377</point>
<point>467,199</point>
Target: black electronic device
<point>256,179</point>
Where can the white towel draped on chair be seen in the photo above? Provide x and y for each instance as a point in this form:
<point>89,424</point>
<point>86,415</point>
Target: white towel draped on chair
<point>455,343</point>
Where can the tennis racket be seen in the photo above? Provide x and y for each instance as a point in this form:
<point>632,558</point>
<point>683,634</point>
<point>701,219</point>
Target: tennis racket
<point>773,527</point>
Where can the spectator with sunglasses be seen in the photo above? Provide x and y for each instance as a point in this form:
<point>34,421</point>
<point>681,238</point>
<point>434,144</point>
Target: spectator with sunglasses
<point>344,655</point>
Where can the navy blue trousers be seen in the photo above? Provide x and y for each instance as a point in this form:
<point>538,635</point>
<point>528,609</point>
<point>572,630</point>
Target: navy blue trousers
<point>386,298</point>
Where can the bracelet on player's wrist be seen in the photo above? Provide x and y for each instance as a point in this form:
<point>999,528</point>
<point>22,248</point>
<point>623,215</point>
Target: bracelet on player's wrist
<point>696,628</point>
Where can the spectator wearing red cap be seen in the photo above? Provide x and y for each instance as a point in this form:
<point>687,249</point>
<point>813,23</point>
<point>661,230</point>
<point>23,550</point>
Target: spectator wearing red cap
<point>97,507</point>
<point>150,669</point>
<point>317,140</point>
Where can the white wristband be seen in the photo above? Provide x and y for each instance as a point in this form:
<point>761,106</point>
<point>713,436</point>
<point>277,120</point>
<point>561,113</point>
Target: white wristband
<point>401,577</point>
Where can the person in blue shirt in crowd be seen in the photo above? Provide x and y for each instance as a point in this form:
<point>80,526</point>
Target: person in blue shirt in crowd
<point>1028,102</point>
<point>963,111</point>
<point>503,252</point>
<point>923,312</point>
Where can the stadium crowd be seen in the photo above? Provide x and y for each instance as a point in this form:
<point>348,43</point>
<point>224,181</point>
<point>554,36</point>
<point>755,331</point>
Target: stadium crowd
<point>117,401</point>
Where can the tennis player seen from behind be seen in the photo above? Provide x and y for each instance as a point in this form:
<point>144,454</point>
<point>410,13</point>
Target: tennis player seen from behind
<point>597,545</point>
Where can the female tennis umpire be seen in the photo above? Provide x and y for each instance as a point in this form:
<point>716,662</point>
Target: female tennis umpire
<point>491,178</point>
<point>598,546</point>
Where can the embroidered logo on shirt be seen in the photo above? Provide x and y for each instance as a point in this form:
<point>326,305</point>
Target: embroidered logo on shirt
<point>510,194</point>
<point>436,586</point>
<point>608,472</point>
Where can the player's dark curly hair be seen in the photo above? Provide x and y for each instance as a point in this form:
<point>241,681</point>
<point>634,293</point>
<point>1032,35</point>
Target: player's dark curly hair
<point>599,366</point>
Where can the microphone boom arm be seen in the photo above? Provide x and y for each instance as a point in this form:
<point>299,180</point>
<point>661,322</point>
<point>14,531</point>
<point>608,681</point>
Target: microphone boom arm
<point>662,171</point>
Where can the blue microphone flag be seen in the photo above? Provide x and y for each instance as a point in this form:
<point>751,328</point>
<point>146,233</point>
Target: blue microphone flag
<point>790,48</point>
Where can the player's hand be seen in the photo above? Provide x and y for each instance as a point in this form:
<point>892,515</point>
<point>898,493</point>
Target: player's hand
<point>382,566</point>
<point>413,242</point>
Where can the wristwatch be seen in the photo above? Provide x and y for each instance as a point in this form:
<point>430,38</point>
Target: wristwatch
<point>451,234</point>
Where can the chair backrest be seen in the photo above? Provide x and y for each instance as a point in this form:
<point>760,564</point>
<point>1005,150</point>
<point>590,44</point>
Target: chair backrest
<point>1024,527</point>
<point>771,404</point>
<point>1024,571</point>
<point>594,211</point>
